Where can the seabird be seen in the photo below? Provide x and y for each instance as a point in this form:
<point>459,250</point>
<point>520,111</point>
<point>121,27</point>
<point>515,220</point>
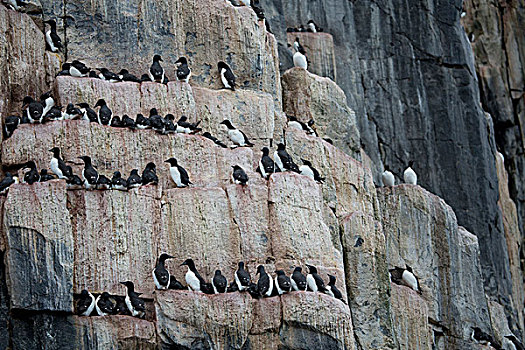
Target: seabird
<point>85,303</point>
<point>242,277</point>
<point>227,77</point>
<point>515,341</point>
<point>298,280</point>
<point>283,160</point>
<point>265,282</point>
<point>161,276</point>
<point>93,74</point>
<point>58,166</point>
<point>295,123</point>
<point>156,122</point>
<point>133,302</point>
<point>53,41</point>
<point>266,165</point>
<point>141,122</point>
<point>127,122</point>
<point>299,57</point>
<point>104,305</point>
<point>124,75</point>
<point>120,306</point>
<point>65,69</point>
<point>388,178</point>
<point>193,278</point>
<point>74,183</point>
<point>332,290</point>
<point>144,78</point>
<point>104,113</point>
<point>219,282</point>
<point>179,175</point>
<point>45,176</point>
<point>105,74</point>
<point>47,102</point>
<point>236,135</point>
<point>149,175</point>
<point>405,277</point>
<point>89,174</point>
<point>308,170</point>
<point>259,11</point>
<point>88,114</point>
<point>78,69</point>
<point>54,114</point>
<point>14,4</point>
<point>34,110</point>
<point>7,181</point>
<point>183,71</point>
<point>481,337</point>
<point>311,26</point>
<point>103,183</point>
<point>214,139</point>
<point>174,284</point>
<point>118,183</point>
<point>184,127</point>
<point>32,175</point>
<point>156,72</point>
<point>409,174</point>
<point>232,288</point>
<point>314,281</point>
<point>115,122</point>
<point>239,176</point>
<point>10,124</point>
<point>71,112</point>
<point>282,282</point>
<point>134,179</point>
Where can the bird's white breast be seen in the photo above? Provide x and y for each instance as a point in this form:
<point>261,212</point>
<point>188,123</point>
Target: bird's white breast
<point>410,176</point>
<point>192,281</point>
<point>310,281</point>
<point>299,60</point>
<point>175,176</point>
<point>410,280</point>
<point>306,171</point>
<point>54,168</point>
<point>388,178</point>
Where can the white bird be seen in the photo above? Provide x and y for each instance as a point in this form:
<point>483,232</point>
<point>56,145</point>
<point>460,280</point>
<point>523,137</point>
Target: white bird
<point>388,178</point>
<point>410,176</point>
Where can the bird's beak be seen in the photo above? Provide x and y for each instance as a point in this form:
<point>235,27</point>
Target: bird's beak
<point>170,257</point>
<point>184,263</point>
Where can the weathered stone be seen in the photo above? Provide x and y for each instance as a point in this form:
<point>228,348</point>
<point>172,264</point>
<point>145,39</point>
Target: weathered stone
<point>308,96</point>
<point>43,331</point>
<point>39,242</point>
<point>115,235</point>
<point>367,281</point>
<point>319,49</point>
<point>115,332</point>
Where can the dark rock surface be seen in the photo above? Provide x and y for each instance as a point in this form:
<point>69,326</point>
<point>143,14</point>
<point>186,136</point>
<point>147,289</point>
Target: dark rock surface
<point>408,71</point>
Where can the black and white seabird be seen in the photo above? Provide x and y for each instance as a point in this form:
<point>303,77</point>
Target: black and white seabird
<point>295,123</point>
<point>174,284</point>
<point>53,41</point>
<point>58,166</point>
<point>118,183</point>
<point>266,165</point>
<point>479,336</point>
<point>104,305</point>
<point>227,76</point>
<point>144,78</point>
<point>178,174</point>
<point>32,175</point>
<point>332,290</point>
<point>10,124</point>
<point>78,69</point>
<point>388,178</point>
<point>124,75</point>
<point>47,102</point>
<point>156,122</point>
<point>409,175</point>
<point>308,170</point>
<point>104,113</point>
<point>156,72</point>
<point>214,139</point>
<point>74,182</point>
<point>314,281</point>
<point>242,277</point>
<point>282,283</point>
<point>283,160</point>
<point>259,11</point>
<point>34,110</point>
<point>312,27</point>
<point>406,277</point>
<point>89,174</point>
<point>115,122</point>
<point>515,341</point>
<point>184,127</point>
<point>183,71</point>
<point>45,176</point>
<point>133,302</point>
<point>239,176</point>
<point>299,57</point>
<point>219,282</point>
<point>54,114</point>
<point>193,278</point>
<point>141,122</point>
<point>103,183</point>
<point>236,135</point>
<point>120,306</point>
<point>161,275</point>
<point>85,303</point>
<point>93,74</point>
<point>169,124</point>
<point>298,280</point>
<point>149,175</point>
<point>134,179</point>
<point>106,74</point>
<point>14,4</point>
<point>71,112</point>
<point>265,282</point>
<point>127,122</point>
<point>7,181</point>
<point>88,114</point>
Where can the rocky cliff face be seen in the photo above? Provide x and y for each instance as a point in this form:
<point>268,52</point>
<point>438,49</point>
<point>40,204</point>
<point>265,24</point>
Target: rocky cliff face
<point>55,242</point>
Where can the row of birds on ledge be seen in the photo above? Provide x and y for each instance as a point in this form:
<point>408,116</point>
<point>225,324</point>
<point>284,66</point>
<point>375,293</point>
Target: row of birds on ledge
<point>266,286</point>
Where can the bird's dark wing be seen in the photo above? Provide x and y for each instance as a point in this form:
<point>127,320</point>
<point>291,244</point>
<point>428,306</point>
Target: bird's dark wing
<point>184,177</point>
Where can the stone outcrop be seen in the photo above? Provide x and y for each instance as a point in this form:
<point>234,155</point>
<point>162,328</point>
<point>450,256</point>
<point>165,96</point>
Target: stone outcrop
<point>319,49</point>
